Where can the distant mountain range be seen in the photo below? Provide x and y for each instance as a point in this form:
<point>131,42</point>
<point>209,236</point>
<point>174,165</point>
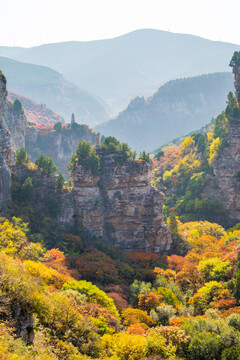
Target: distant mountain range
<point>135,64</point>
<point>177,108</point>
<point>48,87</point>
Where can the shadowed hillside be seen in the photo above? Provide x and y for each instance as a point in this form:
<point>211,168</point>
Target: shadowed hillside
<point>177,108</point>
<point>49,87</point>
<point>36,113</point>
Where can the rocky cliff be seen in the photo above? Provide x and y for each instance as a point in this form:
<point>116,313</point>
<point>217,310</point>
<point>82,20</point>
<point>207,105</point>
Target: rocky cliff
<point>16,123</point>
<point>120,205</point>
<point>225,184</point>
<point>7,155</point>
<point>12,137</point>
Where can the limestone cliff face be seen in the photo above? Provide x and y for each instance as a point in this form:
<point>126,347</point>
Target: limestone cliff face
<point>7,156</point>
<point>12,137</point>
<point>120,205</point>
<point>225,184</point>
<point>16,123</point>
<point>19,316</point>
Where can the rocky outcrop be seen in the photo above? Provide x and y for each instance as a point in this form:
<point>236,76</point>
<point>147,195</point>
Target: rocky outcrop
<point>23,323</point>
<point>16,123</point>
<point>12,137</point>
<point>225,184</point>
<point>19,316</point>
<point>120,205</point>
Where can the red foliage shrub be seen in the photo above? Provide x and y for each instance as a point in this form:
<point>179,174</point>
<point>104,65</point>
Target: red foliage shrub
<point>137,329</point>
<point>224,304</point>
<point>149,301</point>
<point>143,260</point>
<point>96,310</point>
<point>176,262</point>
<point>119,301</point>
<point>95,266</point>
<point>234,310</point>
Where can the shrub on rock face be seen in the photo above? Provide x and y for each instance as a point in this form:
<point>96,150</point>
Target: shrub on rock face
<point>60,181</point>
<point>22,157</point>
<point>27,189</point>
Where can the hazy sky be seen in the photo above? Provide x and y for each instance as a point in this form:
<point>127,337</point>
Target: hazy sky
<point>34,22</point>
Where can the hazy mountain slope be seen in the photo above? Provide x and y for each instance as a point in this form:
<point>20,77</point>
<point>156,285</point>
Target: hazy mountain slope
<point>49,87</point>
<point>177,108</point>
<point>133,64</point>
<point>36,113</point>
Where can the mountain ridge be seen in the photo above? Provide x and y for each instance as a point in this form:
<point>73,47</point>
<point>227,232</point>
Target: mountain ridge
<point>118,69</point>
<point>178,107</point>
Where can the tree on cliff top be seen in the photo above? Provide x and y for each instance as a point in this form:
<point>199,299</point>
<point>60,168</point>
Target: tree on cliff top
<point>58,127</point>
<point>235,61</point>
<point>112,145</point>
<point>46,165</point>
<point>145,157</point>
<point>86,156</point>
<point>17,106</point>
<point>232,110</point>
